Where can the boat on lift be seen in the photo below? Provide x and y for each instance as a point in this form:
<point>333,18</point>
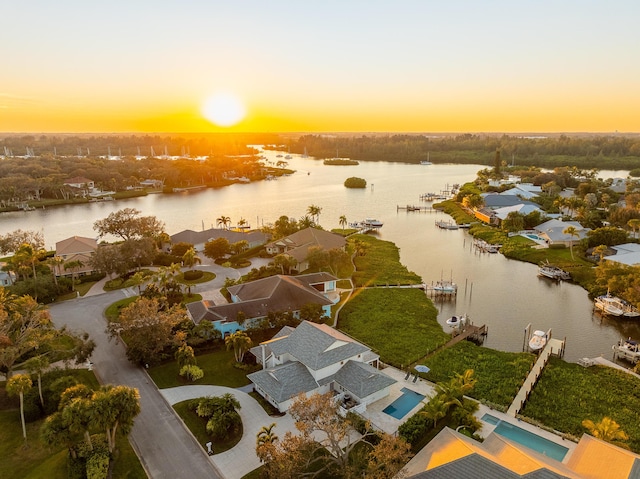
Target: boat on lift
<point>628,349</point>
<point>457,321</point>
<point>609,304</point>
<point>538,340</point>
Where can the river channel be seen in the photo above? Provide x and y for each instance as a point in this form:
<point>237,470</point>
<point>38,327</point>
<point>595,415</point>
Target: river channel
<point>504,294</point>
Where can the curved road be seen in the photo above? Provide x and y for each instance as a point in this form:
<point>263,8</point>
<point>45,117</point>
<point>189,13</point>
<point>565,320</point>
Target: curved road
<point>161,441</point>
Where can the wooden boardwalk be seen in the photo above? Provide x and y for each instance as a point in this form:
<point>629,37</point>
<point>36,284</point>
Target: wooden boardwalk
<point>554,346</point>
<point>470,332</point>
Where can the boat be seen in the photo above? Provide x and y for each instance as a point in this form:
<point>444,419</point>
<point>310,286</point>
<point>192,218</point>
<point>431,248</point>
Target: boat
<point>424,162</point>
<point>628,349</point>
<point>538,340</point>
<point>609,304</point>
<point>553,272</point>
<point>630,311</point>
<point>372,223</point>
<point>445,287</point>
<point>447,225</point>
<point>457,321</point>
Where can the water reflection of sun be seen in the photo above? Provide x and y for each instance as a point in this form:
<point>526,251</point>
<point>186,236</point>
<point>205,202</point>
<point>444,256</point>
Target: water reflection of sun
<point>223,109</point>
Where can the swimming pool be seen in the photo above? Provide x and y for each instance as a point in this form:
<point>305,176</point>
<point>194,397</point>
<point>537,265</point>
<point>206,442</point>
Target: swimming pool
<point>534,237</point>
<point>405,403</point>
<point>526,438</point>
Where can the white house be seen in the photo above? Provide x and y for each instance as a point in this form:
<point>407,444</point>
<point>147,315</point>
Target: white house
<point>315,358</point>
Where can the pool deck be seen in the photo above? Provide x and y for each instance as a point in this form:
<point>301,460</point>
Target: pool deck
<point>382,420</point>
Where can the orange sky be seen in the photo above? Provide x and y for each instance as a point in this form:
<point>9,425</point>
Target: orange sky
<point>336,66</point>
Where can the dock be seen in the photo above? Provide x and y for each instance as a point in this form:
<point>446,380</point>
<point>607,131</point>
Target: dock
<point>424,209</point>
<point>553,346</point>
<point>470,332</point>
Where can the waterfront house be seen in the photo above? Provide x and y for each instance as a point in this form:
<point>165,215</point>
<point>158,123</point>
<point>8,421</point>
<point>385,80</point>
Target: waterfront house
<point>256,299</point>
<point>298,244</point>
<point>553,232</point>
<point>75,248</point>
<point>451,454</point>
<point>315,358</point>
<point>199,238</point>
<point>82,186</point>
<point>628,254</point>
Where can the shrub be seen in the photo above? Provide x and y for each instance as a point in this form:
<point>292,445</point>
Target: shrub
<point>191,372</point>
<point>192,274</point>
<point>88,278</point>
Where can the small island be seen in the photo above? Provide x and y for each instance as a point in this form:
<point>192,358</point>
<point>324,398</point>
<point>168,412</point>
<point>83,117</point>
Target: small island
<point>355,182</point>
<point>341,162</point>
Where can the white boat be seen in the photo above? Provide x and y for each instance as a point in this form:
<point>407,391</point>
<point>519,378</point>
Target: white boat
<point>445,287</point>
<point>457,321</point>
<point>538,340</point>
<point>609,304</point>
<point>627,349</point>
<point>426,163</point>
<point>447,225</point>
<point>553,272</point>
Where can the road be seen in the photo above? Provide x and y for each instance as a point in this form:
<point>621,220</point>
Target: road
<point>163,444</point>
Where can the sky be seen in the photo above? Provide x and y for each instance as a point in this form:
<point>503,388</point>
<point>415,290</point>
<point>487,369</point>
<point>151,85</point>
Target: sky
<point>320,66</point>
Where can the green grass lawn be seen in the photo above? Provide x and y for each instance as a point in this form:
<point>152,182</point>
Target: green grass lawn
<point>400,324</point>
<point>197,426</point>
<point>206,277</point>
<point>217,366</point>
<point>113,310</point>
<point>381,265</point>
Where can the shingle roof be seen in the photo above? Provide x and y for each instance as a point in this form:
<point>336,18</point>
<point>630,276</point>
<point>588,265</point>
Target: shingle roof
<point>284,382</point>
<point>282,292</point>
<point>471,466</point>
<point>76,244</point>
<point>362,379</point>
<point>298,243</point>
<point>199,237</point>
<point>317,349</point>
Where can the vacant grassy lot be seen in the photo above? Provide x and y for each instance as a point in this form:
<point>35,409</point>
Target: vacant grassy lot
<point>400,324</point>
<point>380,265</point>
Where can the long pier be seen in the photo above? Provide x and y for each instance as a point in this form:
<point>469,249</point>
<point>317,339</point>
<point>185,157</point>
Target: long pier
<point>475,333</point>
<point>423,209</point>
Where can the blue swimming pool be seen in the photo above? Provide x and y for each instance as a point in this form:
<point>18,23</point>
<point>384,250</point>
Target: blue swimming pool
<point>405,403</point>
<point>534,237</point>
<point>526,438</point>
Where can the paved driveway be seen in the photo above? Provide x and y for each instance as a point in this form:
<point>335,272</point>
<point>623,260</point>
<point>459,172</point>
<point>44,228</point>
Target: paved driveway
<point>242,458</point>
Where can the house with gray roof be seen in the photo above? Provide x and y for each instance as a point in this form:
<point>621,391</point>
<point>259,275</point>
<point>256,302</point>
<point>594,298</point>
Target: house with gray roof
<point>628,254</point>
<point>256,299</point>
<point>298,244</point>
<point>316,358</point>
<point>553,232</point>
<point>199,238</point>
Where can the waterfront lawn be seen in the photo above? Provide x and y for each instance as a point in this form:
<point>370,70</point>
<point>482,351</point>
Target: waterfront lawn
<point>568,393</point>
<point>380,265</point>
<point>399,324</point>
<point>500,374</point>
<point>218,367</point>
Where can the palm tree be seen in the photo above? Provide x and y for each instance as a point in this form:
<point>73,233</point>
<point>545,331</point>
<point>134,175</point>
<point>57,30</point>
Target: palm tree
<point>242,223</point>
<point>190,258</point>
<point>634,224</point>
<point>599,251</point>
<point>314,211</point>
<point>240,343</point>
<point>225,221</point>
<point>266,435</point>
<point>572,231</point>
<point>343,222</point>
<point>55,262</point>
<point>435,409</point>
<point>608,430</point>
<point>16,386</point>
<point>36,365</point>
<point>74,266</point>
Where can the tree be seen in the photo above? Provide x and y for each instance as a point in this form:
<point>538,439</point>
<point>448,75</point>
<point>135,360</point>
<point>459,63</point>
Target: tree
<point>10,242</point>
<point>128,224</point>
<point>343,222</point>
<point>634,224</point>
<point>37,365</point>
<point>114,409</point>
<point>108,260</point>
<point>266,435</point>
<point>312,312</point>
<point>190,258</point>
<point>240,343</point>
<point>192,372</point>
<point>608,430</point>
<point>600,251</point>
<point>223,221</point>
<point>314,211</point>
<point>55,262</point>
<point>27,255</point>
<point>179,249</point>
<point>513,222</point>
<point>284,262</point>
<point>217,248</point>
<point>135,253</point>
<point>185,356</point>
<point>436,408</point>
<point>146,330</point>
<point>573,232</point>
<point>239,246</point>
<point>74,266</point>
<point>222,412</point>
<point>388,458</point>
<point>17,386</point>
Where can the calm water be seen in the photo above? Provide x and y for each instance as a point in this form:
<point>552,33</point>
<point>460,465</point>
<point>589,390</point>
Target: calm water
<point>504,294</point>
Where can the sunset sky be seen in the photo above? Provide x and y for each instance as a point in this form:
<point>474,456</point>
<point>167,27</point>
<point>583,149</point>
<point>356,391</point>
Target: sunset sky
<point>312,66</point>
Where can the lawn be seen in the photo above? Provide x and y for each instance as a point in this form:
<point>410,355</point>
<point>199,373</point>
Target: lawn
<point>380,265</point>
<point>218,367</point>
<point>399,324</point>
<point>197,426</point>
<point>568,393</point>
<point>500,374</point>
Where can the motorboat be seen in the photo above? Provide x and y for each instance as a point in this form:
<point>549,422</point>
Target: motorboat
<point>538,340</point>
<point>445,287</point>
<point>628,349</point>
<point>372,223</point>
<point>609,304</point>
<point>426,163</point>
<point>457,321</point>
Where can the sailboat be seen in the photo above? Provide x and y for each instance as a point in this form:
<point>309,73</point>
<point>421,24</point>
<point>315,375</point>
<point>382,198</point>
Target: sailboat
<point>427,162</point>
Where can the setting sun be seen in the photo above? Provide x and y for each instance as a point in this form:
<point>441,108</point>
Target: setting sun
<point>223,109</point>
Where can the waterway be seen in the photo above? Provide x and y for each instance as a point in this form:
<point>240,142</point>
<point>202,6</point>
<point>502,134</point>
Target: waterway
<point>504,294</point>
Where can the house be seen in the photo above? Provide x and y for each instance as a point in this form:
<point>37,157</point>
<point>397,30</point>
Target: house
<point>315,358</point>
<point>524,210</point>
<point>451,454</point>
<point>199,238</point>
<point>524,190</point>
<point>81,185</point>
<point>628,254</point>
<point>76,248</point>
<point>7,278</point>
<point>553,232</point>
<point>297,245</point>
<point>256,299</point>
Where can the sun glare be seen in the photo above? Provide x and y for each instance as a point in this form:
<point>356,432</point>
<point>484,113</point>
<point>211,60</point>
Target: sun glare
<point>223,109</point>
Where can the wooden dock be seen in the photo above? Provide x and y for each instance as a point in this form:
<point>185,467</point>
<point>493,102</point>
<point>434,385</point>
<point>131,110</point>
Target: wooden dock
<point>471,332</point>
<point>423,209</point>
